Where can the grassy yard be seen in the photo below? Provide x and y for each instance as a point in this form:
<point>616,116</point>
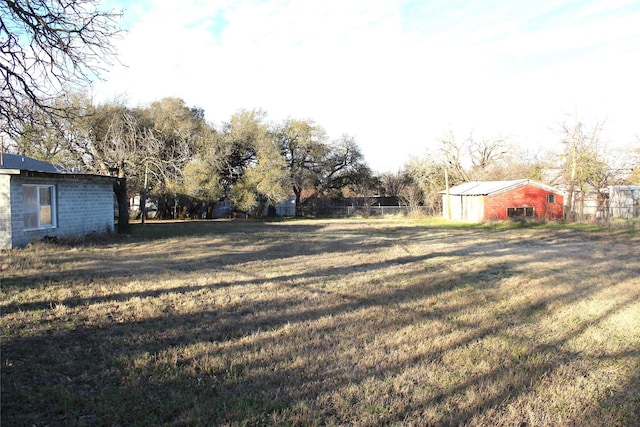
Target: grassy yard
<point>363,322</point>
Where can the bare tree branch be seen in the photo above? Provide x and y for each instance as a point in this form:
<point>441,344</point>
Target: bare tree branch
<point>46,47</point>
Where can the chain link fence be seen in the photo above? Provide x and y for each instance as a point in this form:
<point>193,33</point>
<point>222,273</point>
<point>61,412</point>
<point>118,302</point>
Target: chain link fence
<point>368,211</point>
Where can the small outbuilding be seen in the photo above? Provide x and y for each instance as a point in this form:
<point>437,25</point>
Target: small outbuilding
<point>38,200</point>
<point>478,201</point>
<point>623,201</point>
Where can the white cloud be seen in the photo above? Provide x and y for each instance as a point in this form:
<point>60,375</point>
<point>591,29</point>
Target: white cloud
<point>396,75</point>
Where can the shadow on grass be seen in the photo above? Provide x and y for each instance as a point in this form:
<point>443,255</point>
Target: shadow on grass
<point>277,242</point>
<point>160,247</point>
<point>145,372</point>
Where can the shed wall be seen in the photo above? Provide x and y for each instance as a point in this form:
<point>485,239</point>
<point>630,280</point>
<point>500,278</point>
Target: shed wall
<point>466,208</point>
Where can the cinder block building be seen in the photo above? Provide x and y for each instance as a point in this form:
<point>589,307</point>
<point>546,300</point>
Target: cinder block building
<point>38,200</point>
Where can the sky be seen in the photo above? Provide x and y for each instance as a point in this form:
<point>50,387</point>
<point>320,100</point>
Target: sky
<point>394,74</point>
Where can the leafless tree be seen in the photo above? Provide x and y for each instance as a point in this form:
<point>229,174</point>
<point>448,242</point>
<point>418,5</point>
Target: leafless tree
<point>471,158</point>
<point>633,168</point>
<point>453,153</point>
<point>47,47</point>
<point>393,184</point>
<point>584,167</point>
<point>426,178</point>
<point>485,153</point>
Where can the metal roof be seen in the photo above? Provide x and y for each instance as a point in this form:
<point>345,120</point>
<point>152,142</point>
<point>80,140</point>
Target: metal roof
<point>15,164</point>
<point>484,188</point>
<point>19,162</point>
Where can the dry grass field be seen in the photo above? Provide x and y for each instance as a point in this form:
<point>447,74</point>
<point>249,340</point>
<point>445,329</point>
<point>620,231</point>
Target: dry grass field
<point>337,322</point>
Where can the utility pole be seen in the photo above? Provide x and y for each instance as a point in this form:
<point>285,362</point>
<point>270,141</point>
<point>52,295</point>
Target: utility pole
<point>448,201</point>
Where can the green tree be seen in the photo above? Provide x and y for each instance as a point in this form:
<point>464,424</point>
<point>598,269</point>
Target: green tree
<point>303,146</point>
<point>200,182</point>
<point>172,133</point>
<point>294,156</point>
<point>237,145</point>
<point>226,156</point>
<point>268,178</point>
<point>344,166</point>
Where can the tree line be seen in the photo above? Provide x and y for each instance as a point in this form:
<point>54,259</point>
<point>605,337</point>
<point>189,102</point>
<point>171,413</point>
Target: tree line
<point>582,164</point>
<point>168,149</point>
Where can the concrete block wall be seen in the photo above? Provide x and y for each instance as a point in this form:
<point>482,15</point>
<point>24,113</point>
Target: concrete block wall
<point>83,206</point>
<point>17,218</point>
<point>5,211</point>
<point>19,236</point>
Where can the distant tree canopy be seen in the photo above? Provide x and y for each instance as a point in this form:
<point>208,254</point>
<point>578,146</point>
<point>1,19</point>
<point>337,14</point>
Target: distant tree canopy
<point>588,164</point>
<point>582,164</point>
<point>459,160</point>
<point>634,166</point>
<point>253,162</point>
<point>187,160</point>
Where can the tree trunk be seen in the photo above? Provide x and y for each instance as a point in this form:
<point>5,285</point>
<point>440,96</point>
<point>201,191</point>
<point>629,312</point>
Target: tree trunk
<point>298,192</point>
<point>120,190</point>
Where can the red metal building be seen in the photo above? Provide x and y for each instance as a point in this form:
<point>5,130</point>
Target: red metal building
<point>479,201</point>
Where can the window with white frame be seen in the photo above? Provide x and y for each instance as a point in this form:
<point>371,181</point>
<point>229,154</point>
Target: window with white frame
<point>39,206</point>
<point>551,198</point>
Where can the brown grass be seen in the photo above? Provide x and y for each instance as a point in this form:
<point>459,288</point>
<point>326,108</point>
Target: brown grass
<point>365,322</point>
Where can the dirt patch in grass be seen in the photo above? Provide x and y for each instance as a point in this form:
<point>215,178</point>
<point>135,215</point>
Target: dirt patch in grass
<point>366,322</point>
